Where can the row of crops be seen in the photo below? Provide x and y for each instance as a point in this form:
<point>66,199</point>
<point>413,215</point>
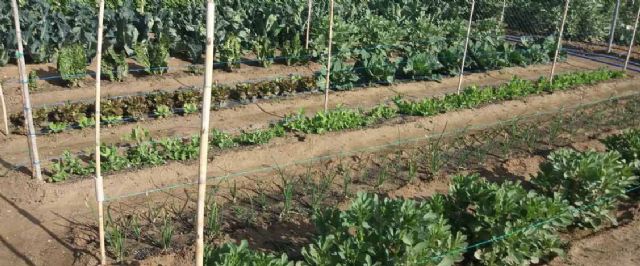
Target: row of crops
<point>152,30</point>
<point>478,221</point>
<point>371,67</point>
<point>152,152</point>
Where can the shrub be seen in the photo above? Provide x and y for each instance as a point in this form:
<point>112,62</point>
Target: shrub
<point>521,226</point>
<point>590,181</point>
<point>384,231</point>
<point>72,61</point>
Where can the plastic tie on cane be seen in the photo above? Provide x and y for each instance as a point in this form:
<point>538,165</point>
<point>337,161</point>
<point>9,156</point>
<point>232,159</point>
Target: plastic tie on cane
<point>99,190</point>
<point>19,54</point>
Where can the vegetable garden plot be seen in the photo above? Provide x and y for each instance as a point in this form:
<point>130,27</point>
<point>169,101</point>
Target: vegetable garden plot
<point>147,152</point>
<point>241,211</point>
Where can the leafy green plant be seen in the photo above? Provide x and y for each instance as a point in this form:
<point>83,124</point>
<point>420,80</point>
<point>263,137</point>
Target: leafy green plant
<point>231,254</point>
<point>57,127</point>
<point>334,120</point>
<point>628,145</point>
<point>178,149</point>
<point>190,108</point>
<point>265,50</point>
<point>111,119</point>
<point>590,181</point>
<point>114,65</point>
<point>231,52</point>
<point>86,122</point>
<point>383,231</point>
<point>506,215</point>
<point>68,165</point>
<point>259,136</point>
<point>72,61</point>
<point>375,66</point>
<point>111,159</point>
<point>342,76</point>
<point>145,154</point>
<point>422,66</point>
<point>153,56</point>
<point>221,139</point>
<point>293,52</point>
<point>163,111</point>
<point>33,80</point>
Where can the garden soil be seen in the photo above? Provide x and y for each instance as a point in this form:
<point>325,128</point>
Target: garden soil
<point>38,221</point>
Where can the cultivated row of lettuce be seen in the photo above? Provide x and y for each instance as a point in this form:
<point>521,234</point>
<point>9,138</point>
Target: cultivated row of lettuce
<point>150,152</point>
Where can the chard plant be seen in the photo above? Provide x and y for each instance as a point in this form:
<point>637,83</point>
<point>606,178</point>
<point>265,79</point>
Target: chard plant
<point>231,53</point>
<point>114,65</point>
<point>33,80</point>
<point>72,62</point>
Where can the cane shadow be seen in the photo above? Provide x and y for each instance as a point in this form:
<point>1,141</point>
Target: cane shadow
<point>16,252</point>
<point>51,234</point>
<point>11,167</point>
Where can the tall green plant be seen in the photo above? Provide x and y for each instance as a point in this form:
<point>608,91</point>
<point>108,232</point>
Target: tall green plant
<point>72,62</point>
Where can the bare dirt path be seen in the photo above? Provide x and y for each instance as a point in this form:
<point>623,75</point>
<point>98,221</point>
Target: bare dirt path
<point>14,149</point>
<point>615,247</point>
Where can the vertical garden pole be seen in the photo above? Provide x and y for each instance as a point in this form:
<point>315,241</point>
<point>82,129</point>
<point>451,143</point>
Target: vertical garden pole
<point>309,7</point>
<point>99,181</point>
<point>204,133</point>
<point>559,45</point>
<point>4,111</point>
<point>504,7</point>
<point>26,99</point>
<point>466,45</point>
<point>633,39</point>
<point>614,23</point>
<point>328,80</point>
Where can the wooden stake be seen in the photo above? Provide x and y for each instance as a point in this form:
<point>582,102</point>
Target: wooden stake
<point>614,23</point>
<point>4,111</point>
<point>99,181</point>
<point>26,99</point>
<point>466,46</point>
<point>633,40</point>
<point>204,132</point>
<point>504,7</point>
<point>559,45</point>
<point>306,43</point>
<point>328,80</point>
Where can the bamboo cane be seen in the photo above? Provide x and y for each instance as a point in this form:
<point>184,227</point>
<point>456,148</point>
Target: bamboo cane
<point>559,45</point>
<point>306,43</point>
<point>99,181</point>
<point>204,136</point>
<point>26,99</point>
<point>466,46</point>
<point>4,111</point>
<point>504,7</point>
<point>633,39</point>
<point>328,80</point>
<point>614,23</point>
